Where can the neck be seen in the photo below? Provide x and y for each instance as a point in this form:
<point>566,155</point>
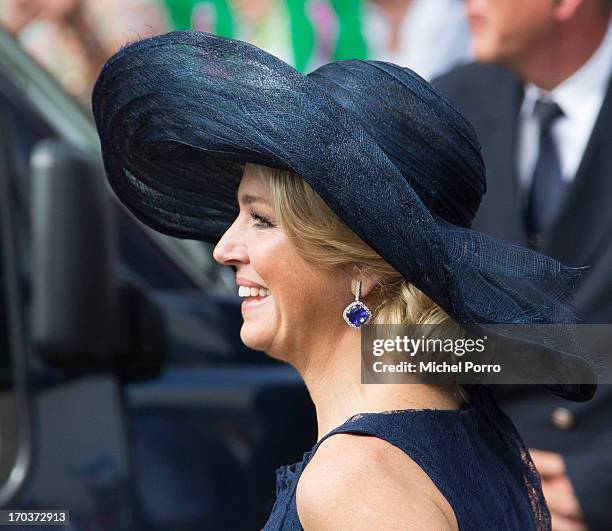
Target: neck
<point>561,52</point>
<point>333,378</point>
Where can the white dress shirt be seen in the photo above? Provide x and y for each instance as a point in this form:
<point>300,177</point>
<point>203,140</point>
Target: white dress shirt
<point>580,97</point>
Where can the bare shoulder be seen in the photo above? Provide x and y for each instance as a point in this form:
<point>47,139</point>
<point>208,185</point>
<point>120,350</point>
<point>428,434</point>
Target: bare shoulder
<point>362,482</point>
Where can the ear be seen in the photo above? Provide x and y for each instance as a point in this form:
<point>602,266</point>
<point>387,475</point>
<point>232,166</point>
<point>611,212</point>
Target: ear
<point>564,10</point>
<point>368,282</point>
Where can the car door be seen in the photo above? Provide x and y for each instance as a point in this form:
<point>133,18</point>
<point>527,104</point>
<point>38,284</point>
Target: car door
<point>178,450</point>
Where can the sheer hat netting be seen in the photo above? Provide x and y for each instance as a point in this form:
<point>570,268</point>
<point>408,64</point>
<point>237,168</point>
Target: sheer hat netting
<point>179,115</point>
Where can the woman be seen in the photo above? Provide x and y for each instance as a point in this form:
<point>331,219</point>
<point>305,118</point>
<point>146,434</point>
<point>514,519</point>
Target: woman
<point>356,180</point>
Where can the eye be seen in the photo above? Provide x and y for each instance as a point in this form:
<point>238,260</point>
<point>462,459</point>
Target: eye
<point>263,222</point>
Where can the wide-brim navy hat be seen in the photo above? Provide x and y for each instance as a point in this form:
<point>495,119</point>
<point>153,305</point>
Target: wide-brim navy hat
<point>179,115</point>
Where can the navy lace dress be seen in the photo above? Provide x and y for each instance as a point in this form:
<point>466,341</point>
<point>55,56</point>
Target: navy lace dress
<point>473,455</point>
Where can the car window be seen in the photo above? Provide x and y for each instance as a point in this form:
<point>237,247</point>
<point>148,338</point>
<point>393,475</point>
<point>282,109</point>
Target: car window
<point>22,131</point>
<point>4,341</point>
<point>41,100</point>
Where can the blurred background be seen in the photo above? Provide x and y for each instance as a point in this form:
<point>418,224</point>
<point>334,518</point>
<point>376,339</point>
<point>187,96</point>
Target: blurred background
<point>73,38</point>
<point>126,395</point>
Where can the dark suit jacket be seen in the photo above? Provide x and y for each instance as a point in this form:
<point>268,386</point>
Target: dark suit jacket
<point>490,97</point>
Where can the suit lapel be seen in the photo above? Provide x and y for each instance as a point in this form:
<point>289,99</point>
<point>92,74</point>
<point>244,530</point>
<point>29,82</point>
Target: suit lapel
<point>502,201</point>
<point>586,213</point>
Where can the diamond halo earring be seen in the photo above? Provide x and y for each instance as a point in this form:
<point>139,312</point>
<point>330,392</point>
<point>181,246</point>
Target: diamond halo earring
<point>356,314</point>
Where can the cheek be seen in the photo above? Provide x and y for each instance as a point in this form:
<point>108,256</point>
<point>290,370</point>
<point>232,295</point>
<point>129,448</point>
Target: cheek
<point>299,289</point>
<point>268,256</point>
<point>517,22</point>
<point>297,285</point>
<point>275,261</point>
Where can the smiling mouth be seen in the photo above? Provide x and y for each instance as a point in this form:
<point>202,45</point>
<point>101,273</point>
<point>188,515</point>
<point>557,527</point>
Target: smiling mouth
<point>246,291</point>
<point>252,296</point>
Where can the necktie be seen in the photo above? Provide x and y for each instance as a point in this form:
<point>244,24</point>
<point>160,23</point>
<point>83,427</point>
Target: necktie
<point>547,185</point>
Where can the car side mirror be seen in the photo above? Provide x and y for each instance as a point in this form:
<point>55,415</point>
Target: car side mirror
<point>73,254</point>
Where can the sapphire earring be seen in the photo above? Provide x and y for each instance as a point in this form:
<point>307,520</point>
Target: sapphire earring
<point>357,313</point>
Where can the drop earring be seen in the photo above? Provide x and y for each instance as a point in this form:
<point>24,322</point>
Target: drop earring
<point>357,313</point>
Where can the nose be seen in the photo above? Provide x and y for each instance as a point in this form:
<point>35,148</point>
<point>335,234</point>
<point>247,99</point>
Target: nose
<point>231,249</point>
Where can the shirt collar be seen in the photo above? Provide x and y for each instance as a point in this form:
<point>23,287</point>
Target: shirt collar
<point>577,91</point>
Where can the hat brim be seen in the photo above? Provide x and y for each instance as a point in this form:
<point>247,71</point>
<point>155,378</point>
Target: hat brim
<point>179,115</point>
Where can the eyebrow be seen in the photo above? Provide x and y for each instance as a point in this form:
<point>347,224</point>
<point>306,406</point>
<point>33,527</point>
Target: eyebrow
<point>248,199</point>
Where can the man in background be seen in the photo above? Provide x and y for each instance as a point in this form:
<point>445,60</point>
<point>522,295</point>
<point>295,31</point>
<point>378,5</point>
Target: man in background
<point>540,100</point>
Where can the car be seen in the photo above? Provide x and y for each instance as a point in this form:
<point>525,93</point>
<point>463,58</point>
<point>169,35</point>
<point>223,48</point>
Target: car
<point>127,397</point>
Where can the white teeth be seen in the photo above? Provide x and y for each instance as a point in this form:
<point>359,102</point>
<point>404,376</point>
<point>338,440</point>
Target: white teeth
<point>246,291</point>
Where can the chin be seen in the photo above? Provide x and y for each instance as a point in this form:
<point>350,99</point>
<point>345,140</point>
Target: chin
<point>255,338</point>
<point>484,50</point>
<point>250,339</point>
<point>485,56</point>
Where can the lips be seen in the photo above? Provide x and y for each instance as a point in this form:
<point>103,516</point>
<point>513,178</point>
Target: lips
<point>254,294</point>
<point>248,288</point>
<point>251,302</point>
